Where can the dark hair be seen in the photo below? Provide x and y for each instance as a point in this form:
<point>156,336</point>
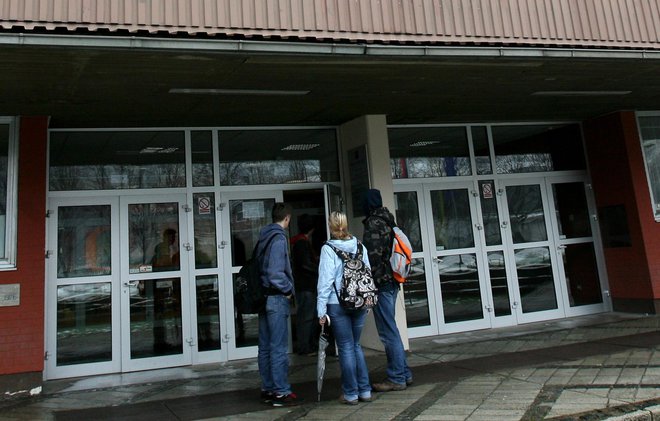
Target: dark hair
<point>305,223</point>
<point>280,211</point>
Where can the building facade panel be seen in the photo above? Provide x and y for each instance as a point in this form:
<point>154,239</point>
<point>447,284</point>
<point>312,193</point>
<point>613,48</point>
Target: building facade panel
<point>616,173</point>
<point>21,340</point>
<point>610,23</point>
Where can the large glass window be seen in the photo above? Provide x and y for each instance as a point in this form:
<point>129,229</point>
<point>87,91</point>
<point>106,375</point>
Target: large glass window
<point>419,152</point>
<point>277,156</point>
<point>8,177</point>
<point>105,160</point>
<point>538,148</point>
<point>649,127</point>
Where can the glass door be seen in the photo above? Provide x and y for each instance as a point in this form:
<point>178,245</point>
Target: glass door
<point>155,282</point>
<point>418,288</point>
<point>458,264</point>
<point>574,227</point>
<point>531,259</point>
<point>82,324</point>
<point>245,214</point>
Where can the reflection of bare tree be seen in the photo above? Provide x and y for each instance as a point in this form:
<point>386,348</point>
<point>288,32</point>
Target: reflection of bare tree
<point>522,163</point>
<point>526,213</point>
<point>421,167</point>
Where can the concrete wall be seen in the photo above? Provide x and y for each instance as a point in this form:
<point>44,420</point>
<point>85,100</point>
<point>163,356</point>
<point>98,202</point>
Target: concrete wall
<point>370,131</point>
<point>22,326</point>
<point>619,178</point>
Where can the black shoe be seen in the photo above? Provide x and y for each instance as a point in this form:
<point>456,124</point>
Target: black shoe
<point>409,381</point>
<point>388,386</point>
<point>267,397</point>
<point>285,400</point>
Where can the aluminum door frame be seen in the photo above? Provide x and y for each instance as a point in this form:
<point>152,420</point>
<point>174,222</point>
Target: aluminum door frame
<point>51,370</point>
<point>185,358</point>
<point>511,248</point>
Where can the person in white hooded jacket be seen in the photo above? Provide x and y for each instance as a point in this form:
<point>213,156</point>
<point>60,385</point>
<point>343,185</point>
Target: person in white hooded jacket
<point>345,324</point>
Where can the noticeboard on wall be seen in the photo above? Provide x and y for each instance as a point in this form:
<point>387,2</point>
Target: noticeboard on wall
<point>358,170</point>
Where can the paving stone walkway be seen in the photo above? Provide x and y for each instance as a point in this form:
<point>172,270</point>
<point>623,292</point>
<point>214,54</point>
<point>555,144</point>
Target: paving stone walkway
<point>591,368</point>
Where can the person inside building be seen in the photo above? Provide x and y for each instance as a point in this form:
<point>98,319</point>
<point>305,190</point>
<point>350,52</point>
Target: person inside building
<point>346,324</point>
<point>277,279</point>
<point>305,274</point>
<point>378,240</point>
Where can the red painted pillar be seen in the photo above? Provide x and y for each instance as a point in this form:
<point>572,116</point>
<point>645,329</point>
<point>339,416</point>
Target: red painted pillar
<point>22,326</point>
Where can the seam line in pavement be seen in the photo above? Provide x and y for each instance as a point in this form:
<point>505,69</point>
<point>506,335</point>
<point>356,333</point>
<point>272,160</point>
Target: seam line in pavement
<point>426,401</point>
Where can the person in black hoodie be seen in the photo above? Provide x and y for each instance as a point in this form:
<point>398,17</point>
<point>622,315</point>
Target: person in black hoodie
<point>378,238</point>
<point>305,276</point>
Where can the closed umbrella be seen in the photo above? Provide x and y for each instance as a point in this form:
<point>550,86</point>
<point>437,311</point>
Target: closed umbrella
<point>320,361</point>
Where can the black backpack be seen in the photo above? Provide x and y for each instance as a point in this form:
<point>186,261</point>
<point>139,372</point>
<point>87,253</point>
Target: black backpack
<point>250,294</point>
<point>358,290</point>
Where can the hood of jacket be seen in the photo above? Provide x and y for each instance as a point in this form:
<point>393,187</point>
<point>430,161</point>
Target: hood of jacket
<point>349,246</point>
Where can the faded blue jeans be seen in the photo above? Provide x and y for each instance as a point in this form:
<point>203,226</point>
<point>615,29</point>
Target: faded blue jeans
<point>273,354</point>
<point>397,366</point>
<point>347,328</point>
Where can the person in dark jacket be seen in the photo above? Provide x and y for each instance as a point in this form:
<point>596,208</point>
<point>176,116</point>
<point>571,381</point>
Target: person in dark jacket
<point>378,237</point>
<point>305,274</point>
<point>277,280</point>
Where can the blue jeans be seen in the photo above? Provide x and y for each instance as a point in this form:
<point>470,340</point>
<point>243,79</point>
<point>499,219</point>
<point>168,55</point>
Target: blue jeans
<point>397,366</point>
<point>306,321</point>
<point>347,328</point>
<point>274,345</point>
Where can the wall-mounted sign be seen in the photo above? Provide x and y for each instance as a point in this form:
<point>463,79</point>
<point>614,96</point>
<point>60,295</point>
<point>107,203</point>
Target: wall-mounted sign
<point>10,295</point>
<point>487,190</point>
<point>204,205</point>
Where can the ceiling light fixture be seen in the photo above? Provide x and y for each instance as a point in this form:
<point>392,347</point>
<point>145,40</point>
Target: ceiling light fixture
<point>157,149</point>
<point>301,147</point>
<point>205,91</point>
<point>581,93</point>
<point>422,143</point>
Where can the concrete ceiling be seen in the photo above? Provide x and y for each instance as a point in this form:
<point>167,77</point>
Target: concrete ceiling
<point>102,87</point>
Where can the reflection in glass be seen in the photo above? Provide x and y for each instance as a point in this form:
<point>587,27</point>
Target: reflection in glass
<point>459,284</point>
<point>247,218</point>
<point>155,314</point>
<point>416,296</point>
<point>83,241</point>
<point>582,274</point>
<point>208,313</point>
<point>650,132</point>
<point>206,249</point>
<point>535,279</point>
<point>246,326</point>
<point>277,156</point>
<point>572,212</point>
<point>534,148</point>
<point>407,217</point>
<point>4,172</point>
<point>84,323</point>
<point>202,158</point>
<point>429,152</point>
<point>526,214</point>
<point>489,211</point>
<point>108,160</point>
<point>498,285</point>
<point>452,220</point>
<point>481,150</point>
<point>153,237</point>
